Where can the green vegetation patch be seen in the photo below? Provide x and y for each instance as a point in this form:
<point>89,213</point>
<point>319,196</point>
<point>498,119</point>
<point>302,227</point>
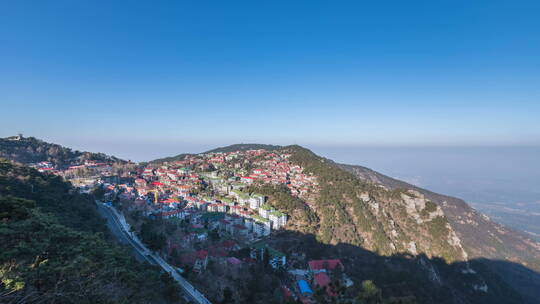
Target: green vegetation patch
<point>50,253</point>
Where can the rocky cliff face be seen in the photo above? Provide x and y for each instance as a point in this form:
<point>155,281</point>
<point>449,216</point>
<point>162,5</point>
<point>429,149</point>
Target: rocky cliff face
<point>379,218</point>
<point>472,234</point>
<point>481,237</point>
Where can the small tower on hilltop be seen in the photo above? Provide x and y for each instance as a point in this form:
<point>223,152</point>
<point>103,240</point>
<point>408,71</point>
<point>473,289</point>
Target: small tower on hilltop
<point>16,137</point>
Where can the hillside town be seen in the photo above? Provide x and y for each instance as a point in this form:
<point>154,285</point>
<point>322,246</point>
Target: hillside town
<point>210,212</point>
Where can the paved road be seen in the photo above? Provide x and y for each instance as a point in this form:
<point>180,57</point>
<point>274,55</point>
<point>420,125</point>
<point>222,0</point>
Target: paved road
<point>121,229</point>
<point>120,235</point>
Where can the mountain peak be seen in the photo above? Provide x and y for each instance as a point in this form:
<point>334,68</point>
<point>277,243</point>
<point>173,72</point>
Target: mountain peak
<point>243,147</point>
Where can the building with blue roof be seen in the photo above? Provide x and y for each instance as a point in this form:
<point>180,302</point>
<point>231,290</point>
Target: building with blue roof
<point>304,287</point>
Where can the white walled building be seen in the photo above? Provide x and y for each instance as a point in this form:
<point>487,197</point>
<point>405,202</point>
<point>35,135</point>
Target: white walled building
<point>278,219</point>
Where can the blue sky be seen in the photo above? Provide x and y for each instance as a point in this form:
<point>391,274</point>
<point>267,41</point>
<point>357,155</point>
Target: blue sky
<point>150,79</point>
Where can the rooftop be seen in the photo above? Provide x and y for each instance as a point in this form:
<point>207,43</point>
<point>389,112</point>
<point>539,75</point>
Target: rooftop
<point>259,218</point>
<point>277,213</point>
<point>266,207</point>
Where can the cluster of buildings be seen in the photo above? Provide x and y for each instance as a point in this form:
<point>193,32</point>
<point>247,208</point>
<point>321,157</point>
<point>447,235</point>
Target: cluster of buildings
<point>211,193</point>
<point>276,169</point>
<point>222,252</point>
<point>216,182</point>
<point>227,171</point>
<point>49,167</point>
<point>318,275</point>
<point>44,166</point>
<point>85,175</point>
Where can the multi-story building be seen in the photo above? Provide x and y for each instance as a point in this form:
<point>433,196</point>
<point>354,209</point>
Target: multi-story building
<point>256,200</point>
<point>222,208</point>
<point>278,219</point>
<point>264,210</point>
<point>276,258</point>
<point>261,226</point>
<point>248,224</point>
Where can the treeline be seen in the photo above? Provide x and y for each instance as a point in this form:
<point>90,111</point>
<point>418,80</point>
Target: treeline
<point>52,248</point>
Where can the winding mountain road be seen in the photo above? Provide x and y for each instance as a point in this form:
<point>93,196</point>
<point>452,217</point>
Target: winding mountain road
<point>119,226</point>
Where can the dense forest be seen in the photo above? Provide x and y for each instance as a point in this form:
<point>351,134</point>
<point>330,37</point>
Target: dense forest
<point>53,248</point>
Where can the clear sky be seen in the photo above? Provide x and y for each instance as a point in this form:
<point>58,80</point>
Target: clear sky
<point>147,79</point>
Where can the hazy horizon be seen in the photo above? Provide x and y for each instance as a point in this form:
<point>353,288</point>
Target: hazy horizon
<point>478,174</point>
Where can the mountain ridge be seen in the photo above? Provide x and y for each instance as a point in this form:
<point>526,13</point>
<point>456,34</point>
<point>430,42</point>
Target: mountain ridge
<point>27,150</point>
<point>225,149</point>
<point>243,147</point>
<point>392,183</point>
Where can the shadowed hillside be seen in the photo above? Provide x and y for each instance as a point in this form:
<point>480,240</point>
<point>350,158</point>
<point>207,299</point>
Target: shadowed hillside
<point>483,239</point>
<point>428,280</point>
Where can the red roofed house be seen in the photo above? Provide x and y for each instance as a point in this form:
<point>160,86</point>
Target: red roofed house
<point>229,245</point>
<point>169,201</point>
<point>76,167</point>
<point>247,179</point>
<point>322,265</point>
<point>140,182</point>
<point>198,259</point>
<point>322,280</point>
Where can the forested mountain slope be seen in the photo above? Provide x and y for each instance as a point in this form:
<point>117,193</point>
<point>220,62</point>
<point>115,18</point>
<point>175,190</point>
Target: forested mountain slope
<point>52,247</point>
<point>28,150</point>
<point>481,238</point>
